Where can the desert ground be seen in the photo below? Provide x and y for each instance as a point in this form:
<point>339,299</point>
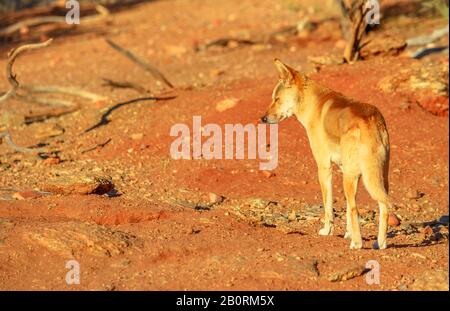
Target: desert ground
<point>216,224</point>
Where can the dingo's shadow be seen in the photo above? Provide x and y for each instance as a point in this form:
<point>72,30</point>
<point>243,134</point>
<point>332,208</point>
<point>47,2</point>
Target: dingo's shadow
<point>437,233</point>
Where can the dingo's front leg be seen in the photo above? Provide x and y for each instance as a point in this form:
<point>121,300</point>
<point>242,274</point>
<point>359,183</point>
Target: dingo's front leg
<point>325,179</point>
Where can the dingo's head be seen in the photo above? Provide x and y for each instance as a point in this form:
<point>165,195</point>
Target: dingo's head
<point>285,96</point>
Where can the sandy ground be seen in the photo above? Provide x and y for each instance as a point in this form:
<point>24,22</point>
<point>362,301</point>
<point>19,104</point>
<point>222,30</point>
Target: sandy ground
<point>158,231</point>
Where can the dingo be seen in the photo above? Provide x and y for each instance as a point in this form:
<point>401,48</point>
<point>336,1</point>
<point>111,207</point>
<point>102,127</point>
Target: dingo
<point>351,134</point>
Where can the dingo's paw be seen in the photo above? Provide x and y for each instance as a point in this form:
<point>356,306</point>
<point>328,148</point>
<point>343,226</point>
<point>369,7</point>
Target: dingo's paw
<point>377,246</point>
<point>356,245</point>
<point>327,230</point>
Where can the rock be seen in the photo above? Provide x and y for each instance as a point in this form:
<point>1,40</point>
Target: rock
<point>176,50</point>
<point>226,104</point>
<point>414,194</point>
<point>444,219</point>
<point>347,274</point>
<point>79,183</point>
<point>137,136</point>
<point>393,220</point>
<point>71,238</point>
<point>24,195</point>
<point>326,60</point>
<point>292,216</point>
<point>215,198</point>
<point>405,106</point>
<point>268,174</point>
<point>385,46</point>
<point>426,231</point>
<point>340,44</point>
<point>51,161</point>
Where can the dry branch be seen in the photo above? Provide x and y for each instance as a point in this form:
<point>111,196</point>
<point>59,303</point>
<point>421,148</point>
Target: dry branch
<point>146,66</point>
<point>7,136</point>
<point>36,21</point>
<point>12,58</point>
<point>125,85</point>
<point>357,13</point>
<point>65,90</point>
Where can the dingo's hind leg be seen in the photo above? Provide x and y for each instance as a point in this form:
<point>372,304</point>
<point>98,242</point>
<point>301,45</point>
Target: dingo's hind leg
<point>375,176</point>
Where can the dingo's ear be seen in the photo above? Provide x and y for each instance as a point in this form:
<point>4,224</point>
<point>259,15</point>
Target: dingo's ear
<point>286,73</point>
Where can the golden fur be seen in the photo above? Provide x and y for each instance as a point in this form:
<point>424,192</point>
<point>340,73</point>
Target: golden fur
<point>349,133</point>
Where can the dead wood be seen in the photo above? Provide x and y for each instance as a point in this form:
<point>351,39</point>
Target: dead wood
<point>224,42</point>
<point>100,145</point>
<point>143,64</point>
<point>11,59</point>
<point>36,21</point>
<point>125,85</point>
<point>104,119</point>
<point>7,137</point>
<point>357,12</point>
<point>65,90</point>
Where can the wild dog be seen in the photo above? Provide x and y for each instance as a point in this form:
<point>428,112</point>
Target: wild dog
<point>341,130</point>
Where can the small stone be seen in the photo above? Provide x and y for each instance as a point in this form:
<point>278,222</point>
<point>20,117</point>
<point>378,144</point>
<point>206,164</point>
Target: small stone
<point>405,106</point>
<point>347,274</point>
<point>292,216</point>
<point>214,198</point>
<point>79,183</point>
<point>24,195</point>
<point>426,230</point>
<point>226,104</point>
<point>137,136</point>
<point>51,161</point>
<point>268,174</point>
<point>414,194</point>
<point>393,220</point>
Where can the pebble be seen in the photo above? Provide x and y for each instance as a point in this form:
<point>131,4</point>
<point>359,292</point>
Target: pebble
<point>226,104</point>
<point>215,198</point>
<point>393,220</point>
<point>24,195</point>
<point>268,174</point>
<point>79,183</point>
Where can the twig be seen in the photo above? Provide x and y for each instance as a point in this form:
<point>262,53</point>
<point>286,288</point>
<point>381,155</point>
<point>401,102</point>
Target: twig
<point>146,66</point>
<point>125,85</point>
<point>104,119</point>
<point>31,22</point>
<point>426,39</point>
<point>101,145</point>
<point>65,90</point>
<point>225,42</point>
<point>8,139</point>
<point>55,113</point>
<point>356,14</point>
<point>10,30</point>
<point>12,58</point>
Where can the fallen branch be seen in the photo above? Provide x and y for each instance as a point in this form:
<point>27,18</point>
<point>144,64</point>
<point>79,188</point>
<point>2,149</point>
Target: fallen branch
<point>224,42</point>
<point>357,15</point>
<point>54,113</point>
<point>65,90</point>
<point>104,119</point>
<point>426,39</point>
<point>146,66</point>
<point>36,21</point>
<point>31,22</point>
<point>7,136</point>
<point>125,85</point>
<point>12,56</point>
<point>101,145</point>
